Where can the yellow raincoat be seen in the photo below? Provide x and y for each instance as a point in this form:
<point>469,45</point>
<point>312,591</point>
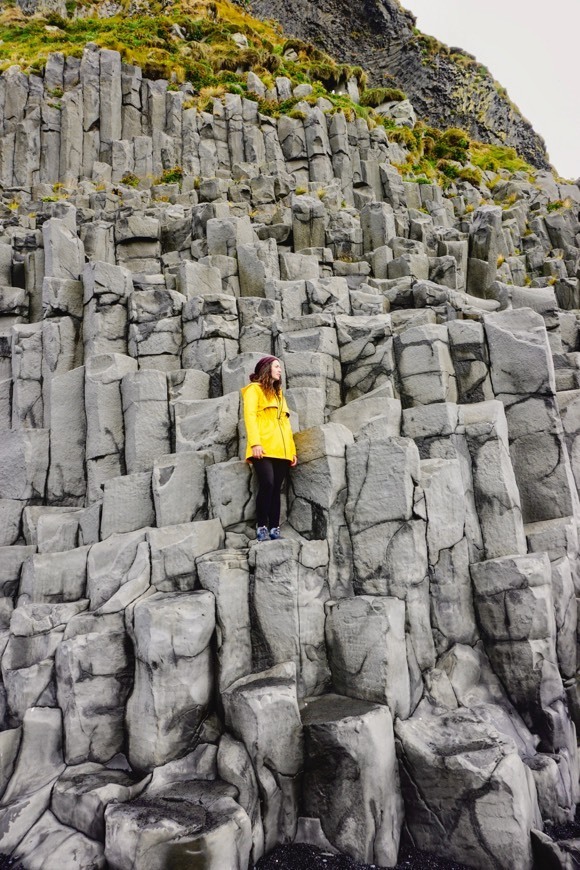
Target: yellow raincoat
<point>267,422</point>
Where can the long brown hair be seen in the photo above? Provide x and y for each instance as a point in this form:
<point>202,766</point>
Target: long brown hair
<point>271,387</point>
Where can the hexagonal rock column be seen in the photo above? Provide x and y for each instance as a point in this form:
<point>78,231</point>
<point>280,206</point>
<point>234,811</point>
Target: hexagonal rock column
<point>388,538</point>
<point>82,793</point>
<point>118,571</point>
<point>424,366</point>
<point>470,360</point>
<point>366,353</point>
<point>186,824</point>
<point>484,248</point>
<point>26,370</point>
<point>107,289</point>
<point>468,796</point>
<point>514,604</point>
<point>317,496</point>
<point>51,844</point>
<point>365,637</point>
<point>175,549</point>
<point>171,634</point>
<point>24,456</point>
<point>227,575</point>
<point>351,779</point>
<point>105,426</point>
<point>208,424</point>
<point>234,765</point>
<point>262,712</point>
<point>308,222</point>
<point>53,578</point>
<point>66,482</point>
<point>178,484</point>
<point>450,592</point>
<point>38,766</point>
<point>288,596</point>
<point>94,672</point>
<point>522,375</point>
<point>495,490</point>
<point>36,631</point>
<point>146,418</point>
<point>155,328</point>
<point>559,538</point>
<point>210,334</point>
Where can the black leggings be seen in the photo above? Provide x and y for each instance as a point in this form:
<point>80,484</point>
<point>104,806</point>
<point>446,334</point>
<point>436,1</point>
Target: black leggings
<point>271,475</point>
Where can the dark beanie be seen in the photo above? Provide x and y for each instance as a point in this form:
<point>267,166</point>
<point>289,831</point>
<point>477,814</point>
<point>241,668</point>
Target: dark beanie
<point>261,365</point>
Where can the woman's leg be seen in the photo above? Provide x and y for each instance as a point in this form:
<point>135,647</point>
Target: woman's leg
<point>280,470</point>
<point>265,474</point>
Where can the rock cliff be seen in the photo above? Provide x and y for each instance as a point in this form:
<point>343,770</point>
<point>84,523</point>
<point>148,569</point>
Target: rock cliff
<point>447,86</point>
<point>405,659</point>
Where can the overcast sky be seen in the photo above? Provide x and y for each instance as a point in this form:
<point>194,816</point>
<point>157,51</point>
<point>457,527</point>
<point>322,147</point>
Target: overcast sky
<point>532,49</point>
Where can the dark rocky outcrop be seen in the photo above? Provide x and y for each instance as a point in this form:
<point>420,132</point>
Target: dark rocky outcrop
<point>447,87</point>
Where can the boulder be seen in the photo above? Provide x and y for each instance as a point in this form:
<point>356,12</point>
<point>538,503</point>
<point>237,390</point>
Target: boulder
<point>262,712</point>
<point>351,780</point>
<point>171,634</point>
<point>455,766</point>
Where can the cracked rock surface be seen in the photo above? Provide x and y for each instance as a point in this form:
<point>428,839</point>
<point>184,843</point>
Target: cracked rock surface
<point>396,676</point>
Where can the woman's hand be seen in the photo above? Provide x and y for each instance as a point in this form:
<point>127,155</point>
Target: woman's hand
<point>294,461</point>
<point>257,451</point>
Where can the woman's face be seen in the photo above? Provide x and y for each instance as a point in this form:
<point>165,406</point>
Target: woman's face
<point>276,370</point>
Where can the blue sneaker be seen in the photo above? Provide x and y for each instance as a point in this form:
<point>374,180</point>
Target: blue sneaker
<point>275,534</point>
<point>262,533</point>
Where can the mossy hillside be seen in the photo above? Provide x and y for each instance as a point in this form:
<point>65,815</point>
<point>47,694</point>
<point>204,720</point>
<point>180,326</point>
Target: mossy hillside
<point>186,41</point>
<point>192,42</point>
<point>448,156</point>
<point>434,51</point>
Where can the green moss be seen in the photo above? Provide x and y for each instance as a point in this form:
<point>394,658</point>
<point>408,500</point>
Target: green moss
<point>170,176</point>
<point>214,64</point>
<point>373,97</point>
<point>448,168</point>
<point>556,205</point>
<point>403,136</point>
<point>492,158</point>
<point>472,176</point>
<point>130,179</point>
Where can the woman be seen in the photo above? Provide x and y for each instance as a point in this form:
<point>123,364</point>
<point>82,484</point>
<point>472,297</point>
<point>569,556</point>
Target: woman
<point>271,448</point>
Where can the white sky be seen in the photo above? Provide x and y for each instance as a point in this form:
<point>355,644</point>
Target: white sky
<point>532,48</point>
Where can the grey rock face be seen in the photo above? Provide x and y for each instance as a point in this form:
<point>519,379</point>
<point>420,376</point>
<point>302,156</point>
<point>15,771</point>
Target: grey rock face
<point>427,578</point>
<point>174,551</point>
<point>480,757</point>
<point>226,576</point>
<point>93,677</point>
<point>318,495</point>
<point>50,841</point>
<point>366,636</point>
<point>171,635</point>
<point>38,765</point>
<point>497,583</point>
<point>178,485</point>
<point>548,492</point>
<point>204,818</point>
<point>198,422</point>
<point>24,455</point>
<point>28,663</point>
<point>81,795</point>
<point>262,711</point>
<point>360,812</point>
<point>289,595</point>
<point>424,364</point>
